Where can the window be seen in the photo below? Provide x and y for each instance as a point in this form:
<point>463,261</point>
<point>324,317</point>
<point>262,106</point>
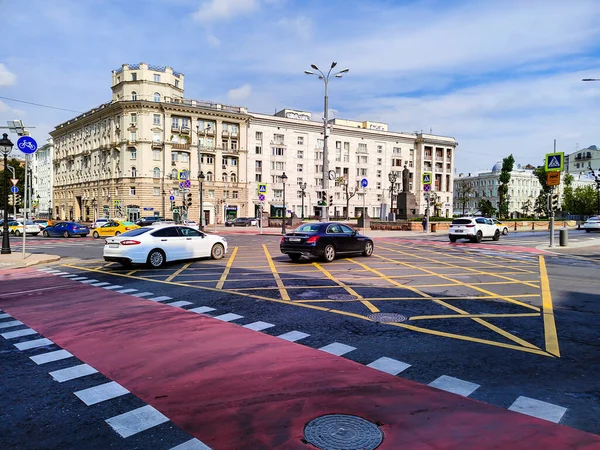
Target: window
<point>185,157</point>
<point>132,190</point>
<point>277,193</point>
<point>174,174</point>
<point>133,95</point>
<point>338,144</point>
<point>258,150</point>
<point>155,155</point>
<point>224,176</point>
<point>209,176</point>
<point>258,177</point>
<point>233,178</point>
<point>378,185</point>
<point>277,151</point>
<point>133,76</point>
<point>300,140</point>
<point>379,161</point>
<point>156,173</point>
<point>185,122</point>
<point>176,83</point>
<point>299,167</point>
<point>396,151</point>
<point>379,174</point>
<point>166,232</point>
<point>318,155</point>
<point>362,147</point>
<point>258,166</point>
<point>174,156</point>
<point>347,146</point>
<point>380,149</point>
<point>157,77</point>
<point>211,193</point>
<point>156,136</point>
<point>133,136</point>
<point>133,153</point>
<point>133,172</point>
<point>278,138</point>
<point>157,97</point>
<point>156,119</point>
<point>300,154</point>
<point>319,143</point>
<point>155,191</point>
<point>258,135</point>
<point>235,194</point>
<point>210,159</point>
<point>133,117</point>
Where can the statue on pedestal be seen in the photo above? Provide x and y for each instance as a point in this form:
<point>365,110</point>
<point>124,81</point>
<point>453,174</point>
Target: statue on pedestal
<point>405,179</point>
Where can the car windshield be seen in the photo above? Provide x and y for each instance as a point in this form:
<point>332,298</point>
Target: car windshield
<point>308,228</point>
<point>136,232</point>
<point>461,221</point>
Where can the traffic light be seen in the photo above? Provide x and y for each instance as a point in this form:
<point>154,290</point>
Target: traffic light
<point>330,200</point>
<point>189,199</point>
<point>18,199</point>
<point>554,202</point>
<point>172,206</point>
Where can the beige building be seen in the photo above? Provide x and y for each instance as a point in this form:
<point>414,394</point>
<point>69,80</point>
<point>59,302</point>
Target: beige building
<point>122,159</point>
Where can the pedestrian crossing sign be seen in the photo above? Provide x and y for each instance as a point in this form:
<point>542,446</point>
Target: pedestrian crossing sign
<point>426,178</point>
<point>183,175</point>
<point>262,188</point>
<point>555,162</point>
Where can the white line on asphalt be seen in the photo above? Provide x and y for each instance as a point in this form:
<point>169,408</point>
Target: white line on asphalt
<point>454,385</point>
<point>133,422</point>
<point>293,336</point>
<point>337,349</point>
<point>101,393</point>
<point>192,444</point>
<point>179,304</point>
<point>70,373</point>
<point>4,316</point>
<point>88,281</point>
<point>389,365</point>
<point>114,286</point>
<point>53,271</point>
<point>69,276</point>
<point>126,291</point>
<point>61,273</point>
<point>103,283</point>
<point>50,357</point>
<point>12,294</point>
<point>160,299</point>
<point>19,333</point>
<point>34,344</point>
<point>228,317</point>
<point>12,323</point>
<point>79,278</point>
<point>202,309</point>
<point>142,294</point>
<point>538,408</point>
<point>259,326</point>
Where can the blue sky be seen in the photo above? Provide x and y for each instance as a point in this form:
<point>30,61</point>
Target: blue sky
<point>500,76</point>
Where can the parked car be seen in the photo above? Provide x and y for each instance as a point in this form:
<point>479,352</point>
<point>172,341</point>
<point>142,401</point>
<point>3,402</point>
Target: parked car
<point>473,228</point>
<point>114,228</point>
<point>41,223</point>
<point>192,224</point>
<point>145,221</point>
<point>160,244</point>
<point>592,224</point>
<point>241,222</point>
<point>503,228</point>
<point>16,227</point>
<point>98,223</point>
<point>66,229</point>
<point>324,240</point>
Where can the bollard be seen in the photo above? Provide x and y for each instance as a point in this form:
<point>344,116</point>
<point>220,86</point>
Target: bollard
<point>563,237</point>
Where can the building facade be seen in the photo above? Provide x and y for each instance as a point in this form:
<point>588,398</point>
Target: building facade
<point>43,179</point>
<point>582,161</point>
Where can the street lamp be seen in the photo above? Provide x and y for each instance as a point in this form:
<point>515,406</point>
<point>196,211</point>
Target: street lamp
<point>392,177</point>
<point>5,147</point>
<point>303,188</point>
<point>201,179</point>
<point>325,79</point>
<point>283,180</point>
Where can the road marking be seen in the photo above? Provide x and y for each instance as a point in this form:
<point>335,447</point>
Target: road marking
<point>12,294</point>
<point>127,291</point>
<point>228,317</point>
<point>131,272</point>
<point>80,278</point>
<point>101,393</point>
<point>282,291</point>
<point>53,271</point>
<point>202,309</point>
<point>539,409</point>
<point>12,323</point>
<point>36,343</point>
<point>114,286</point>
<point>170,277</point>
<point>389,365</point>
<point>227,269</point>
<point>162,298</point>
<point>70,373</point>
<point>192,444</point>
<point>470,316</point>
<point>454,385</point>
<point>143,294</point>
<point>259,326</point>
<point>19,333</point>
<point>56,355</point>
<point>550,334</point>
<point>88,281</point>
<point>133,422</point>
<point>60,273</point>
<point>293,336</point>
<point>178,304</point>
<point>4,316</point>
<point>337,349</point>
<point>348,289</point>
<point>103,283</point>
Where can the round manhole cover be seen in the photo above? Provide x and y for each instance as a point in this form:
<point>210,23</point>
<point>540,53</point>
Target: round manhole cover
<point>342,431</point>
<point>387,317</point>
<point>342,297</point>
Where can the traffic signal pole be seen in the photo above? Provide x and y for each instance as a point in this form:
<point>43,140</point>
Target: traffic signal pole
<point>550,202</point>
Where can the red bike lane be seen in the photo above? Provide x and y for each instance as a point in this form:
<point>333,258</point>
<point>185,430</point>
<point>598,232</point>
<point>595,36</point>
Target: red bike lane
<point>235,388</point>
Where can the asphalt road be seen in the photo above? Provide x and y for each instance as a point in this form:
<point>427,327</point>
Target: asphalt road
<point>476,319</point>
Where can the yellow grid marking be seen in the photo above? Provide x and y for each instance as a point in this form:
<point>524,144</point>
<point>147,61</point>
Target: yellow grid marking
<point>227,268</point>
<point>131,272</point>
<point>376,299</point>
<point>281,286</point>
<point>548,312</point>
<point>177,272</point>
<point>469,316</point>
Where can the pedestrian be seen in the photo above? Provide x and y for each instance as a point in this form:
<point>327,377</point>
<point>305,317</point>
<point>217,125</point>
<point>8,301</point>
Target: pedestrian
<point>424,223</point>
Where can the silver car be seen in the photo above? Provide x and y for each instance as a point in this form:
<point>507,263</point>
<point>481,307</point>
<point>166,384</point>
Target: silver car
<point>592,224</point>
<point>473,228</point>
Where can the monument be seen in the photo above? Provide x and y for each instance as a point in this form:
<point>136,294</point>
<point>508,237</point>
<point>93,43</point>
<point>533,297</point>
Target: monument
<point>406,201</point>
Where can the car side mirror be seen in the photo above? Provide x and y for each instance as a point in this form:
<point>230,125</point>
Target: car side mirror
<point>354,232</point>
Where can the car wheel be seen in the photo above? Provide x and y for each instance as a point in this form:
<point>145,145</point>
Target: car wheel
<point>295,256</point>
<point>46,234</point>
<point>217,251</point>
<point>368,250</point>
<point>17,233</point>
<point>588,231</point>
<point>156,258</point>
<point>505,231</point>
<point>496,235</point>
<point>117,233</point>
<point>96,235</point>
<point>329,253</point>
<point>452,239</point>
<point>66,234</point>
<point>478,237</point>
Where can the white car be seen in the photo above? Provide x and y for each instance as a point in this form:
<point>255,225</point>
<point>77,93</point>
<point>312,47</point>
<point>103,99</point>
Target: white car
<point>98,223</point>
<point>592,224</point>
<point>473,228</point>
<point>16,227</point>
<point>160,244</point>
<point>503,228</point>
<point>192,224</point>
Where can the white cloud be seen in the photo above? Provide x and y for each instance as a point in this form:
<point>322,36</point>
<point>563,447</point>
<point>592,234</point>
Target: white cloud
<point>300,26</point>
<point>7,78</point>
<point>213,41</point>
<point>214,10</point>
<point>240,93</point>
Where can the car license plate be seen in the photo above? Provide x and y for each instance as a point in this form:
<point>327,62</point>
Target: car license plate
<point>459,231</point>
<point>295,239</point>
<point>113,245</point>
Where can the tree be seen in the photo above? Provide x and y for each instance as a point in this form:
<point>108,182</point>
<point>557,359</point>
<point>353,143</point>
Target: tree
<point>507,167</point>
<point>541,203</point>
<point>585,200</point>
<point>568,195</point>
<point>463,192</point>
<point>486,208</point>
<point>436,201</point>
<point>526,207</point>
<point>541,174</point>
<point>343,181</point>
<point>19,174</point>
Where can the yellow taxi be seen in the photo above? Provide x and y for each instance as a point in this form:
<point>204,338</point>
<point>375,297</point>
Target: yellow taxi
<point>114,228</point>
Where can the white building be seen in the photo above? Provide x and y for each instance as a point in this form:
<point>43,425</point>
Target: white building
<point>582,161</point>
<point>43,179</point>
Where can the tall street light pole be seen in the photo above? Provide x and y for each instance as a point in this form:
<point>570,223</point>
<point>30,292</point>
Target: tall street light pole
<point>283,180</point>
<point>392,177</point>
<point>201,179</point>
<point>6,147</point>
<point>326,79</point>
<point>303,188</point>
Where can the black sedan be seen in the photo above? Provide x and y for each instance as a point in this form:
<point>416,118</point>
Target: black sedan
<point>324,240</point>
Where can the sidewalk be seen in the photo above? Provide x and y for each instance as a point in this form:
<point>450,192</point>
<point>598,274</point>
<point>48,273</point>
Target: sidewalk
<point>15,260</point>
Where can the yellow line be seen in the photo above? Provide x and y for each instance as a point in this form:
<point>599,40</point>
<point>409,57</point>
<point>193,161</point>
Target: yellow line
<point>376,299</point>
<point>177,272</point>
<point>131,272</point>
<point>282,290</point>
<point>227,268</point>
<point>348,289</point>
<point>463,316</point>
<point>549,324</point>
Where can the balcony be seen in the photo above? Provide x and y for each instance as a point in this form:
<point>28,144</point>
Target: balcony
<point>180,146</point>
<point>234,134</point>
<point>175,127</point>
<point>362,150</point>
<point>205,149</point>
<point>206,132</point>
<point>230,150</point>
<point>225,133</point>
<point>185,130</point>
<point>157,144</point>
<point>258,169</point>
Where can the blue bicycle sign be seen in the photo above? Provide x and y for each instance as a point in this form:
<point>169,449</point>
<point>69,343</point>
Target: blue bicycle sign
<point>27,145</point>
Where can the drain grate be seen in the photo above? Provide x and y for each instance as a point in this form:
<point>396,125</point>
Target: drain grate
<point>343,297</point>
<point>387,317</point>
<point>342,431</point>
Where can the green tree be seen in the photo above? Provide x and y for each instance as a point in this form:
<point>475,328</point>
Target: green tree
<point>486,208</point>
<point>541,203</point>
<point>19,174</point>
<point>568,195</point>
<point>463,192</point>
<point>541,174</point>
<point>526,207</point>
<point>507,167</point>
<point>585,200</point>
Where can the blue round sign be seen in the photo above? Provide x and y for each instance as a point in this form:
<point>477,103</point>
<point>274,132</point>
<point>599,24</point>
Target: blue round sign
<point>172,198</point>
<point>364,183</point>
<point>14,189</point>
<point>27,144</point>
<point>261,198</point>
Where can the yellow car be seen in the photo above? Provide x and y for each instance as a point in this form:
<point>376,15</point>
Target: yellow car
<point>114,228</point>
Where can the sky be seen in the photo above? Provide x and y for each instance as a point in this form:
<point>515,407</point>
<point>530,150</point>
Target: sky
<point>502,77</point>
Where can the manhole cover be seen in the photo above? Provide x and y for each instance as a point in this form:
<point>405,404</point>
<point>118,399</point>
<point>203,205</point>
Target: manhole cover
<point>387,317</point>
<point>342,297</point>
<point>342,431</point>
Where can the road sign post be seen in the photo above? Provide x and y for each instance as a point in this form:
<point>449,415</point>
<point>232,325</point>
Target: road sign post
<point>554,163</point>
<point>364,183</point>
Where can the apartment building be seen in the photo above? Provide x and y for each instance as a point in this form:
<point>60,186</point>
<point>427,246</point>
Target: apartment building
<point>582,161</point>
<point>43,179</point>
<point>125,157</point>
